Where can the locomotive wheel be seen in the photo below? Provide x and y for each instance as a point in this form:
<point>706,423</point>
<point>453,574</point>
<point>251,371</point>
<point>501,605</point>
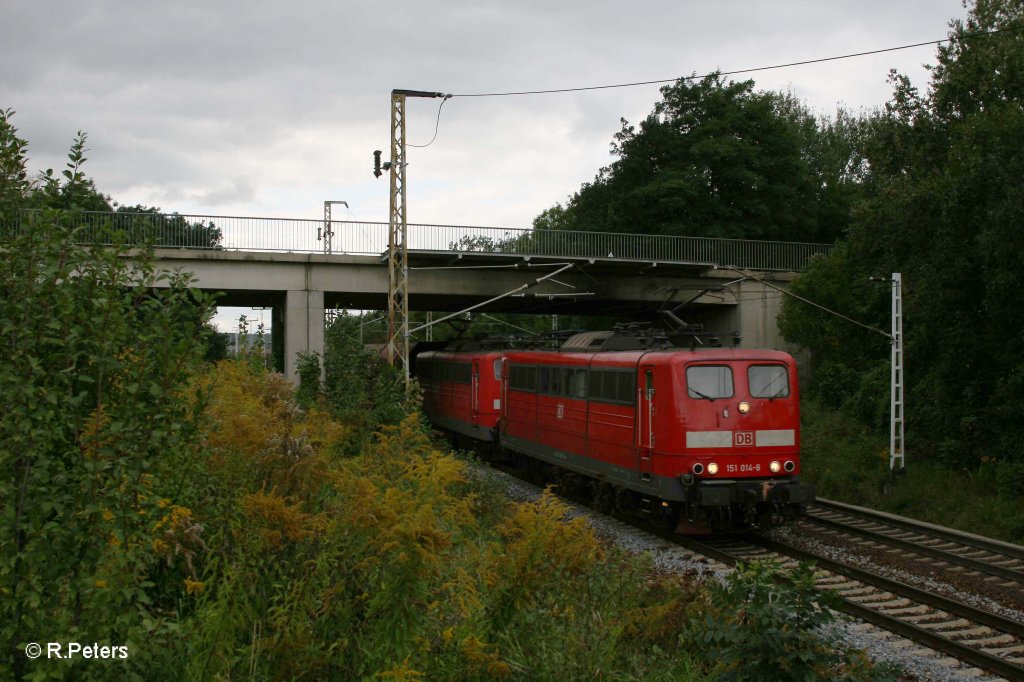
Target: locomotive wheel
<point>604,496</point>
<point>767,519</point>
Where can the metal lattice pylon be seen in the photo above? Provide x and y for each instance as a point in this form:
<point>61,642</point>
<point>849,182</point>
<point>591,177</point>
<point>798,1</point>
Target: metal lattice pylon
<point>398,230</point>
<point>327,232</point>
<point>398,248</point>
<point>896,403</point>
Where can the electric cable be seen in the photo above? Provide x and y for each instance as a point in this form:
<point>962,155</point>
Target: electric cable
<point>437,124</point>
<point>509,324</point>
<point>808,301</point>
<point>510,266</point>
<point>733,72</point>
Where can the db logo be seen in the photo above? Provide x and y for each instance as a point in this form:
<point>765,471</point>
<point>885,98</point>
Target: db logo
<point>743,439</point>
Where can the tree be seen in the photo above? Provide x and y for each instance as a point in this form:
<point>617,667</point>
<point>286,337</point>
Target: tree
<point>72,190</point>
<point>14,184</point>
<point>75,191</point>
<point>359,387</point>
<point>720,159</point>
<point>942,203</point>
<point>96,439</point>
<point>147,224</point>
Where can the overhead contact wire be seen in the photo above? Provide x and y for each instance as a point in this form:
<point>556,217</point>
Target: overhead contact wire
<point>730,73</point>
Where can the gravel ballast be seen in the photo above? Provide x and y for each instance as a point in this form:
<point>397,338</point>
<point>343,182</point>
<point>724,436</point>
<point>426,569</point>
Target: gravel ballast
<point>880,645</point>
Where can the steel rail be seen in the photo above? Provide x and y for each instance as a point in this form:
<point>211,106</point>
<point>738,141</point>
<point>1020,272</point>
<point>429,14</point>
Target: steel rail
<point>972,656</point>
<point>976,657</point>
<point>950,557</point>
<point>970,539</point>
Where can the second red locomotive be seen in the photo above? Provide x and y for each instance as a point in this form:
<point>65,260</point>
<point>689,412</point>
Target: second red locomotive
<point>709,436</point>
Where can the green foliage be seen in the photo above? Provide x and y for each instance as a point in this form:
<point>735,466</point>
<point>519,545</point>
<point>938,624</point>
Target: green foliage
<point>761,627</point>
<point>222,525</point>
<point>216,344</point>
<point>941,203</point>
<point>252,347</point>
<point>213,525</point>
<point>147,225</point>
<point>73,191</point>
<point>849,461</point>
<point>310,387</point>
<point>346,367</point>
<point>379,564</point>
<point>845,459</point>
<point>359,387</point>
<point>14,184</point>
<point>520,243</point>
<point>719,159</point>
<point>96,435</point>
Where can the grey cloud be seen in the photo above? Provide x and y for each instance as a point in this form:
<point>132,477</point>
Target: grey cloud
<point>217,104</point>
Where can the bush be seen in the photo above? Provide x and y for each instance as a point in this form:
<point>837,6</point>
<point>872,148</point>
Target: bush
<point>310,390</point>
<point>359,388</point>
<point>98,446</point>
<point>849,462</point>
<point>378,565</point>
<point>761,628</point>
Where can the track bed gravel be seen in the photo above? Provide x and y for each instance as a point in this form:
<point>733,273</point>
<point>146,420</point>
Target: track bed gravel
<point>918,662</point>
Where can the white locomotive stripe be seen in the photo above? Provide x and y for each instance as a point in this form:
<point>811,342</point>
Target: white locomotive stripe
<point>708,439</point>
<point>779,437</point>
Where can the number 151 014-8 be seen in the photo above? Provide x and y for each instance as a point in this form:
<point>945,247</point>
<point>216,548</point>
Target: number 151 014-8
<point>741,468</point>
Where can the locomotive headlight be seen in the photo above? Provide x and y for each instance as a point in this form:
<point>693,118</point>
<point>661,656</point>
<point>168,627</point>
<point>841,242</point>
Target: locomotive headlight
<point>743,407</point>
<point>712,468</point>
<point>790,466</point>
<point>775,466</point>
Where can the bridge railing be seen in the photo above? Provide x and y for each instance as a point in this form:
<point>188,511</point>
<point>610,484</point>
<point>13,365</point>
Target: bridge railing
<point>371,238</point>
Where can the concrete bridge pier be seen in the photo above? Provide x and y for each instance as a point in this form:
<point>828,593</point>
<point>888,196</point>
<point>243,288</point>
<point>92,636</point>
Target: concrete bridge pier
<point>303,328</point>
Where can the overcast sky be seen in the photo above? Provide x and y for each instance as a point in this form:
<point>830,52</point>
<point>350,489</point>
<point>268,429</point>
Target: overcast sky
<point>255,108</point>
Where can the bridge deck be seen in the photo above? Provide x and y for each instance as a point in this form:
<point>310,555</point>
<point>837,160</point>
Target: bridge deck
<point>370,238</point>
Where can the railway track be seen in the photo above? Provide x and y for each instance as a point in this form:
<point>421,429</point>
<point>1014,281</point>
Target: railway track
<point>944,547</point>
<point>992,643</point>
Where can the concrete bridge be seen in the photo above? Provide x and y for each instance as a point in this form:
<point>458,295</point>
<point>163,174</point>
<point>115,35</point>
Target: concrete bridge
<point>724,284</point>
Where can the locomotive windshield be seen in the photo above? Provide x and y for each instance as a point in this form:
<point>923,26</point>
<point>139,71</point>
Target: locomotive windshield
<point>768,381</point>
<point>709,381</point>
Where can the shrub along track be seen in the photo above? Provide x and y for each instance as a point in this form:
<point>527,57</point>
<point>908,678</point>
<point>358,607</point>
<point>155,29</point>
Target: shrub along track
<point>992,643</point>
<point>980,638</point>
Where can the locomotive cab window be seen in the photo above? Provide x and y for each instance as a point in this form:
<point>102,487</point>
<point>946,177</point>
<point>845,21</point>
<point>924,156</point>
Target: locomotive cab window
<point>709,382</point>
<point>768,381</point>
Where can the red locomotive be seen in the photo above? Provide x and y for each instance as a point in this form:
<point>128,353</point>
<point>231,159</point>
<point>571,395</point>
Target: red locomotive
<point>462,391</point>
<point>708,436</point>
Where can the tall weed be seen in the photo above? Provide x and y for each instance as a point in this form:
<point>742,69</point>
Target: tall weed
<point>338,566</point>
<point>850,462</point>
<point>760,628</point>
